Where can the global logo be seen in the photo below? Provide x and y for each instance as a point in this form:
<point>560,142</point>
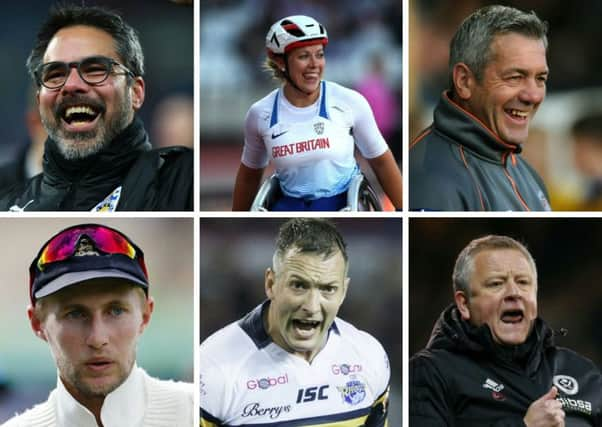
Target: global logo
<point>267,382</point>
<point>566,384</point>
<point>345,369</point>
<point>353,392</point>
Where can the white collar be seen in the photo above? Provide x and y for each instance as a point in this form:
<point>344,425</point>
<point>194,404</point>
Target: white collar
<point>126,402</point>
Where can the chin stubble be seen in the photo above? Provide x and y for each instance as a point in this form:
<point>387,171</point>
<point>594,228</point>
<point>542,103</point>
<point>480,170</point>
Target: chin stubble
<point>79,145</point>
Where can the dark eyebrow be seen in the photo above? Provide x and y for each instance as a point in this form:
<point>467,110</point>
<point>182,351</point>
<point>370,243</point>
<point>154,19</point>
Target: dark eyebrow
<point>296,277</point>
<point>524,72</point>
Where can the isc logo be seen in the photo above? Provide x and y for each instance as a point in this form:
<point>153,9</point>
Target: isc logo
<point>312,393</point>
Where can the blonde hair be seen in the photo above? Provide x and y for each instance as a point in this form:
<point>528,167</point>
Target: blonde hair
<point>272,67</point>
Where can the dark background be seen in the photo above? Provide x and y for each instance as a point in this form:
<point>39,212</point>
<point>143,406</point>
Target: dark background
<point>235,253</point>
<point>166,34</point>
<point>567,254</point>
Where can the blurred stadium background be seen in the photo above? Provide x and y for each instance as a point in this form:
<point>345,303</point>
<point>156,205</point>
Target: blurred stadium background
<point>566,252</point>
<point>166,34</point>
<point>362,38</point>
<point>574,88</point>
<point>235,253</point>
<point>165,350</point>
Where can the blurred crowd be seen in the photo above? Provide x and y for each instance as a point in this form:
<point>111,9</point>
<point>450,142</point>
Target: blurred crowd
<point>566,252</point>
<point>574,87</point>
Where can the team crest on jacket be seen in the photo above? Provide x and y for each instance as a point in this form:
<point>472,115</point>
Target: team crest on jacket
<point>109,204</point>
<point>319,128</point>
<point>353,392</point>
<point>567,384</point>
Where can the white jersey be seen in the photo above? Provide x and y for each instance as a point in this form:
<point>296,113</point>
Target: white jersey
<point>140,401</point>
<point>246,379</point>
<point>312,148</point>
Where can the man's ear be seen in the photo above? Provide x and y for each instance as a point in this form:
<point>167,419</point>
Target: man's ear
<point>36,323</point>
<point>345,287</point>
<point>138,92</point>
<point>270,280</point>
<point>464,81</point>
<point>149,306</point>
<point>462,304</point>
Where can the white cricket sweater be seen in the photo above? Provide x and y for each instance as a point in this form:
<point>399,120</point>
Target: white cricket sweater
<point>141,401</point>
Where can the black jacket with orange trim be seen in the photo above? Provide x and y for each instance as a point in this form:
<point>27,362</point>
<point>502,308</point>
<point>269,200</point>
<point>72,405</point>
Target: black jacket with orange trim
<point>464,378</point>
<point>458,164</point>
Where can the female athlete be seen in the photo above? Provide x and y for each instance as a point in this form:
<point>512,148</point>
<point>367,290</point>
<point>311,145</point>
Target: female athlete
<point>309,128</point>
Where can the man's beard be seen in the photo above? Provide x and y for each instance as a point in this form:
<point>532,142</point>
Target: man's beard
<point>79,145</point>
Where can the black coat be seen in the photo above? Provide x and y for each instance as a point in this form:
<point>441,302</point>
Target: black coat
<point>458,164</point>
<point>464,379</point>
<point>150,180</point>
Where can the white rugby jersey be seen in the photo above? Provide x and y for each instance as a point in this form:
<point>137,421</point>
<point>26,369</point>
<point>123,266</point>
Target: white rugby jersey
<point>246,379</point>
<point>312,148</point>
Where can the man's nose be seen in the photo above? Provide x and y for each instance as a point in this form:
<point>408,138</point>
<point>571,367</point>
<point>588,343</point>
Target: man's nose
<point>74,82</point>
<point>533,92</point>
<point>512,289</point>
<point>311,303</point>
<point>98,333</point>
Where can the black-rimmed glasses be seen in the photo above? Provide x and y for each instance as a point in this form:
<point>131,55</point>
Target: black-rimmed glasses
<point>93,70</point>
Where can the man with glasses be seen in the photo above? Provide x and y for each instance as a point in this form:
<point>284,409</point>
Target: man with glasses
<point>89,293</point>
<point>88,66</point>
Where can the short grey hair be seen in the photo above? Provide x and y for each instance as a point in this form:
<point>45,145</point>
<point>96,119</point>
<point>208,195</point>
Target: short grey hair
<point>472,42</point>
<point>464,267</point>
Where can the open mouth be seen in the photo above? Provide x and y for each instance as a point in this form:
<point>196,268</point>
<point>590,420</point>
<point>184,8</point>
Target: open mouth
<point>512,316</point>
<point>311,76</point>
<point>517,114</point>
<point>79,114</point>
<point>306,328</point>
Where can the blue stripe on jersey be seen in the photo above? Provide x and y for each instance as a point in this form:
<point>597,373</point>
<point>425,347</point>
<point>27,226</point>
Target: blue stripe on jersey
<point>314,421</point>
<point>206,416</point>
<point>323,111</point>
<point>274,119</point>
<point>252,324</point>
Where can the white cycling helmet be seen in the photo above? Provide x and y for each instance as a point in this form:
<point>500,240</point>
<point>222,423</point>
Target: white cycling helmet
<point>294,31</point>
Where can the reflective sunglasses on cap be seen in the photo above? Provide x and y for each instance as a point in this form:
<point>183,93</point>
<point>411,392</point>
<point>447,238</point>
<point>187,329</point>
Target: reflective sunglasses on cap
<point>83,252</point>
